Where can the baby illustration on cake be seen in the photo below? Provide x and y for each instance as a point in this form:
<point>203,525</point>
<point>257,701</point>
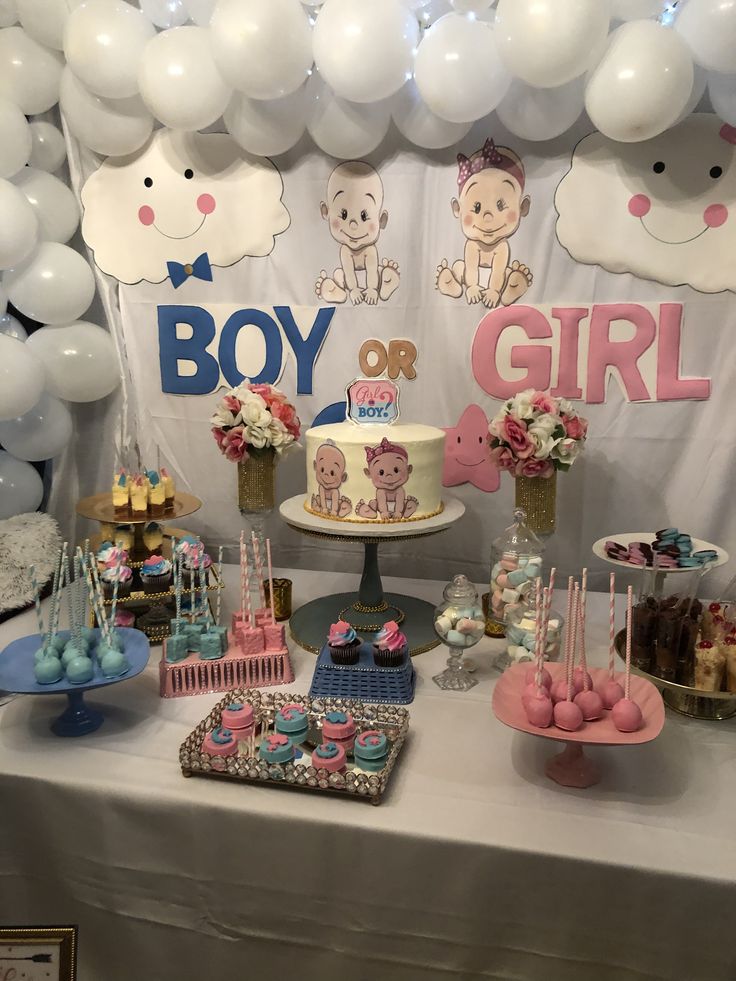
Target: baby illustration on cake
<point>330,472</point>
<point>388,470</point>
<point>355,212</point>
<point>490,205</point>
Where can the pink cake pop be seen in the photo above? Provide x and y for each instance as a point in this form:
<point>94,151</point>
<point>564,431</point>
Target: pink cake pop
<point>611,691</point>
<point>626,713</point>
<point>546,680</point>
<point>559,688</point>
<point>588,701</point>
<point>567,714</point>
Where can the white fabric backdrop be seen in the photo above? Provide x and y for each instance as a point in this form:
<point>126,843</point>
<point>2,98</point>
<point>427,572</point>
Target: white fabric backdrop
<point>645,466</point>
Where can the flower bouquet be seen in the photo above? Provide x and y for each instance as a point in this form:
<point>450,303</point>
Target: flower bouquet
<point>533,436</point>
<point>252,425</point>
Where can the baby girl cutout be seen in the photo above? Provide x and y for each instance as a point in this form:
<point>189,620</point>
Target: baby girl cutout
<point>490,205</point>
<point>329,469</point>
<point>354,210</point>
<point>389,470</point>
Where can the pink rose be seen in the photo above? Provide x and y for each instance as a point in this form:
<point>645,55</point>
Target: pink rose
<point>503,458</point>
<point>234,446</point>
<point>537,468</point>
<point>232,404</point>
<point>575,426</point>
<point>515,434</point>
<point>219,435</point>
<point>285,413</point>
<point>545,403</point>
<point>263,390</point>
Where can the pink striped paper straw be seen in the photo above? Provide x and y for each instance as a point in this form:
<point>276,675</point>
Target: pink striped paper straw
<point>547,605</point>
<point>242,574</point>
<point>573,640</point>
<point>612,625</point>
<point>551,586</point>
<point>247,608</point>
<point>568,622</point>
<point>537,631</point>
<point>629,605</point>
<point>270,579</point>
<point>259,568</point>
<point>581,629</point>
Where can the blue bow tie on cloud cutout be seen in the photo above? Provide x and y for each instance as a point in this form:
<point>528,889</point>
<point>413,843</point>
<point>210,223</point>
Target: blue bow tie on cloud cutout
<point>179,272</point>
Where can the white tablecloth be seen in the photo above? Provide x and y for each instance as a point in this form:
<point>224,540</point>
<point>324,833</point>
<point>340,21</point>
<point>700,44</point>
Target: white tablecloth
<point>475,865</point>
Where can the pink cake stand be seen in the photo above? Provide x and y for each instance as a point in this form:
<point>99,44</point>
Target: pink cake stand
<point>572,768</point>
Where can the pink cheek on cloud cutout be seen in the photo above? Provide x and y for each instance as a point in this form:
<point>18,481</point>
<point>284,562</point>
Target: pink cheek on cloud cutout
<point>715,215</point>
<point>206,204</point>
<point>146,215</point>
<point>639,205</point>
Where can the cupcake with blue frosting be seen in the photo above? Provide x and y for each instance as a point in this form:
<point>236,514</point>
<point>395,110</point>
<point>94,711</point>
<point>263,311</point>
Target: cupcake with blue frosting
<point>344,643</point>
<point>156,574</point>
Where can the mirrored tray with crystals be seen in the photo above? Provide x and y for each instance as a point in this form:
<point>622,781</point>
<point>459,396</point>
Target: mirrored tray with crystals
<point>392,720</point>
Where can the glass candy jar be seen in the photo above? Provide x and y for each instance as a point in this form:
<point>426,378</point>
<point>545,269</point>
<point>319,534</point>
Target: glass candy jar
<point>516,561</point>
<point>460,623</point>
<point>521,624</point>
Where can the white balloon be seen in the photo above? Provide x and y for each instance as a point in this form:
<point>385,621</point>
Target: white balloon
<point>15,139</point>
<point>44,20</point>
<point>458,70</point>
<point>722,91</point>
<point>8,13</point>
<point>18,227</point>
<point>541,114</point>
<point>344,129</point>
<point>112,127</point>
<point>48,150</point>
<point>200,11</point>
<point>267,127</point>
<point>80,360</point>
<point>709,27</point>
<point>364,51</point>
<point>12,327</point>
<point>53,201</point>
<point>549,42</point>
<point>262,47</point>
<point>29,73</point>
<point>430,12</point>
<point>22,377</point>
<point>642,84</point>
<point>700,83</point>
<point>636,9</point>
<point>179,80</point>
<point>39,434</point>
<point>103,44</point>
<point>416,121</point>
<point>471,6</point>
<point>54,286</point>
<point>165,13</point>
<point>21,488</point>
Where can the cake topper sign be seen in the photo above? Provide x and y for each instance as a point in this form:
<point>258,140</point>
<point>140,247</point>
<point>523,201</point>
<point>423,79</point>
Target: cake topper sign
<point>373,401</point>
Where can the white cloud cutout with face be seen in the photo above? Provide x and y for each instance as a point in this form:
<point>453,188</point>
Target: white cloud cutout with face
<point>182,195</point>
<point>664,209</point>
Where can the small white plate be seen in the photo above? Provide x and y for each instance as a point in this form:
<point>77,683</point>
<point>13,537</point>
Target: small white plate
<point>599,549</point>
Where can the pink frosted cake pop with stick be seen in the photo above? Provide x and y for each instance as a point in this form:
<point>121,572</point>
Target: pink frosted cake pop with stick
<point>538,704</point>
<point>558,690</point>
<point>581,680</point>
<point>611,692</point>
<point>588,701</point>
<point>531,674</point>
<point>626,713</point>
<point>567,714</point>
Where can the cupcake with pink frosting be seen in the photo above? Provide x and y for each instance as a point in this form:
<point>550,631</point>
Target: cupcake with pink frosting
<point>344,643</point>
<point>390,646</point>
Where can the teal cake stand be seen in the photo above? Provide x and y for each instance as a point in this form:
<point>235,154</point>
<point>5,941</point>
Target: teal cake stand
<point>370,607</point>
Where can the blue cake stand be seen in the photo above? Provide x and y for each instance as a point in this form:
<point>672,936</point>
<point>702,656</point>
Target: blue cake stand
<point>78,719</point>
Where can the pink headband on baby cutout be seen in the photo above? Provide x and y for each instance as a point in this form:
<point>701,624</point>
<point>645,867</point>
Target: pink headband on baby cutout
<point>371,452</point>
<point>489,157</point>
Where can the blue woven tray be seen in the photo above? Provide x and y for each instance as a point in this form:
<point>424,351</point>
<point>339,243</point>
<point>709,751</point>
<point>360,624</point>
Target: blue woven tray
<point>364,680</point>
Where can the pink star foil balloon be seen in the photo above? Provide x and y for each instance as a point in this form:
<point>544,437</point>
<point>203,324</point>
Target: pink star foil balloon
<point>467,456</point>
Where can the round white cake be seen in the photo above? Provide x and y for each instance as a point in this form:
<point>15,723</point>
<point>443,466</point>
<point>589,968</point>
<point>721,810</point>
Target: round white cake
<point>374,473</point>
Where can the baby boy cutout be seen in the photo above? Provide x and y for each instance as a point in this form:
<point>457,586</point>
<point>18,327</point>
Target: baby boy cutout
<point>490,205</point>
<point>356,216</point>
<point>184,203</point>
<point>663,210</point>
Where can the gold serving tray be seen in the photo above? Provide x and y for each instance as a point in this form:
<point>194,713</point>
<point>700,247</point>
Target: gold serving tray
<point>392,720</point>
<point>99,507</point>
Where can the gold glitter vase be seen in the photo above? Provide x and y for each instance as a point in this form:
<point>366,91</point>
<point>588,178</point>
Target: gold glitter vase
<point>256,480</point>
<point>538,497</point>
<point>281,597</point>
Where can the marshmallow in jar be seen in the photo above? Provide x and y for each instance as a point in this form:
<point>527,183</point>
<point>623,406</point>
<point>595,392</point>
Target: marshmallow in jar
<point>516,562</point>
<point>521,625</point>
<point>459,621</point>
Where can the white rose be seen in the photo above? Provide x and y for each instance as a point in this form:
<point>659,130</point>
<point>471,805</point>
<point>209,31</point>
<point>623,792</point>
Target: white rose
<point>544,424</point>
<point>567,450</point>
<point>522,405</point>
<point>255,413</point>
<point>277,434</point>
<point>544,443</point>
<point>565,407</point>
<point>224,418</point>
<point>255,436</point>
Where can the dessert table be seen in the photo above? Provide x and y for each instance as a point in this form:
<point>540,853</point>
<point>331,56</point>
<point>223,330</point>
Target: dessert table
<point>474,866</point>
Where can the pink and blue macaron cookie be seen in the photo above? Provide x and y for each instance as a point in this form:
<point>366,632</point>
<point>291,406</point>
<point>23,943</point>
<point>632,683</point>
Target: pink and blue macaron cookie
<point>371,750</point>
<point>329,756</point>
<point>276,748</point>
<point>220,742</point>
<point>292,721</point>
<point>239,718</point>
<point>339,727</point>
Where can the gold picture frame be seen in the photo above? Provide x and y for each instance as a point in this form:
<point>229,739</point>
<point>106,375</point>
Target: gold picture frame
<point>38,953</point>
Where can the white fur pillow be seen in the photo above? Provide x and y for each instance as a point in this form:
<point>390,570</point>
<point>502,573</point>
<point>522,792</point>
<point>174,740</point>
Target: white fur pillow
<point>26,540</point>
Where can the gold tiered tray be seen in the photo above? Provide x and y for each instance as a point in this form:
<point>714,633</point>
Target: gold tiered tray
<point>99,507</point>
